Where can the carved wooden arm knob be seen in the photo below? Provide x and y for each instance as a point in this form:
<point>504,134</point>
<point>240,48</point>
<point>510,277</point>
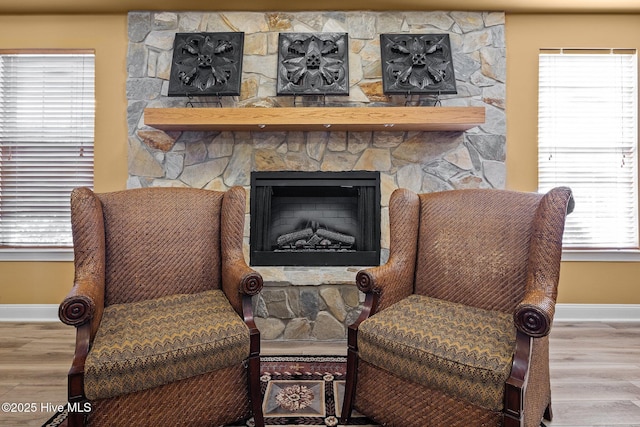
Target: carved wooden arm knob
<point>76,310</point>
<point>533,320</point>
<point>365,281</point>
<point>252,283</point>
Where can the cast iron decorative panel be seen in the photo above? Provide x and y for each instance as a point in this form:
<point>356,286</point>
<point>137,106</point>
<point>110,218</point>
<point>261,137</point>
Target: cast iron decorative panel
<point>313,64</point>
<point>206,64</point>
<point>417,64</point>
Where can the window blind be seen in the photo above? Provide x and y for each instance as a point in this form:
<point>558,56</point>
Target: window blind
<point>587,140</point>
<point>47,108</point>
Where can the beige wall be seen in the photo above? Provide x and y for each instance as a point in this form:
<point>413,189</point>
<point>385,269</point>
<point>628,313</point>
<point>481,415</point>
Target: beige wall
<point>47,283</point>
<point>581,282</point>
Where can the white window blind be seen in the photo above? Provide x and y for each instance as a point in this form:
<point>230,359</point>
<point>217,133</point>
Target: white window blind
<point>47,108</point>
<point>587,140</point>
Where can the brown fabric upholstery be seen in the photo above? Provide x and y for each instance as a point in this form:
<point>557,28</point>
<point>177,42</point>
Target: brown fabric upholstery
<point>492,257</point>
<point>151,253</point>
<point>463,351</point>
<point>485,246</point>
<point>150,343</point>
<point>165,267</point>
<point>221,396</point>
<point>397,402</point>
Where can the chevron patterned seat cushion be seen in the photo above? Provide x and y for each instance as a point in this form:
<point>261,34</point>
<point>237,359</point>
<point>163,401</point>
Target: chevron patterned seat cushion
<point>460,350</point>
<point>149,343</point>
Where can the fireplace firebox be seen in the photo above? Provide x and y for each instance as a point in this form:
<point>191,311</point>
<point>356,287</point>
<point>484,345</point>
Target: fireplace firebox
<point>315,218</point>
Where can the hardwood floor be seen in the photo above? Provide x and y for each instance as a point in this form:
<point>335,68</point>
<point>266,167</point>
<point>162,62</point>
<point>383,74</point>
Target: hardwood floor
<point>595,371</point>
<point>34,360</point>
<point>595,374</point>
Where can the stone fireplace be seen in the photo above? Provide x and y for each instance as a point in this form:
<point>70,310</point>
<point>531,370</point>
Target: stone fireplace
<point>300,302</point>
<point>315,218</point>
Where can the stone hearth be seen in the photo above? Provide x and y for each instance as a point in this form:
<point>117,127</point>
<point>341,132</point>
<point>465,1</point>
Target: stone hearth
<point>317,303</point>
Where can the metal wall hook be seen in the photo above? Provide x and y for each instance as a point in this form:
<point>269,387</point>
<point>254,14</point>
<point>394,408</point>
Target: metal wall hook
<point>408,99</point>
<point>191,104</point>
<point>190,101</point>
<point>218,101</point>
<point>438,101</point>
<point>322,96</point>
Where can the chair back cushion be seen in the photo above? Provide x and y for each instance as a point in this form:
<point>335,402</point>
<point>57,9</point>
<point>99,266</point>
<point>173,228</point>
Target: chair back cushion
<point>150,343</point>
<point>473,246</point>
<point>460,350</point>
<point>160,241</point>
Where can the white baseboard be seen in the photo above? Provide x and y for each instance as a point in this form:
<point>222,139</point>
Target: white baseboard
<point>564,312</point>
<point>597,313</point>
<point>29,313</point>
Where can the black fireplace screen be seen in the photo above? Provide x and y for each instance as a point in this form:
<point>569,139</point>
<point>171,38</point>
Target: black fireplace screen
<point>315,218</point>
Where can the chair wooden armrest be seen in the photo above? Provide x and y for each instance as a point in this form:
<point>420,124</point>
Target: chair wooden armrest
<point>82,308</point>
<point>241,278</point>
<point>78,307</point>
<point>534,315</point>
<point>83,304</point>
<point>389,282</point>
<point>238,278</point>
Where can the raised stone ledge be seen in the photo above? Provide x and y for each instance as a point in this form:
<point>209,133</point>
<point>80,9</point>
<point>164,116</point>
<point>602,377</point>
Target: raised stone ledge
<point>307,303</point>
<point>308,276</point>
<point>315,313</point>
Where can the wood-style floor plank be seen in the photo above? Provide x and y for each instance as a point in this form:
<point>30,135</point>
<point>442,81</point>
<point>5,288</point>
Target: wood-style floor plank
<point>34,360</point>
<point>595,370</point>
<point>595,373</point>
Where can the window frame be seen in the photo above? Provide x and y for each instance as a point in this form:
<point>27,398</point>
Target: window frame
<point>595,253</point>
<point>52,252</point>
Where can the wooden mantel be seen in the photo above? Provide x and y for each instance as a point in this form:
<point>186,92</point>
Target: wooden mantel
<point>315,119</point>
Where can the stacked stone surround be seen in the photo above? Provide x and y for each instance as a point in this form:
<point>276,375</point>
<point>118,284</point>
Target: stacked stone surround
<point>317,303</point>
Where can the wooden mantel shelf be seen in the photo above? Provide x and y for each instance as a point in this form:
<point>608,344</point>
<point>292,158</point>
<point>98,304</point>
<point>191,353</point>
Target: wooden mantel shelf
<point>315,118</point>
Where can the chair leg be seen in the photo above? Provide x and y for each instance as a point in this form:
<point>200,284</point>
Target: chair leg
<point>548,413</point>
<point>254,390</point>
<point>75,419</point>
<point>349,386</point>
<point>76,400</point>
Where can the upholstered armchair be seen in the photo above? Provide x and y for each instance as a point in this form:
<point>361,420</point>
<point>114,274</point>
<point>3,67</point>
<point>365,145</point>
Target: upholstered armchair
<point>162,305</point>
<point>455,327</point>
